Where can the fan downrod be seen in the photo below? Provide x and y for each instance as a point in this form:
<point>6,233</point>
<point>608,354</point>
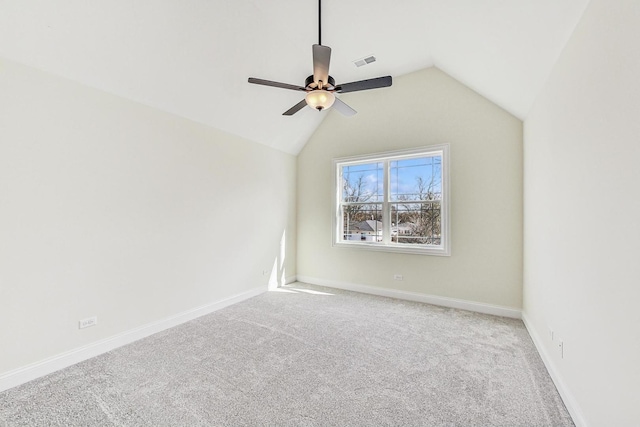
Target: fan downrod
<point>310,83</point>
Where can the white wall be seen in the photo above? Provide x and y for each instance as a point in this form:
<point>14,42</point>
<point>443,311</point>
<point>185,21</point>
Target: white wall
<point>582,216</point>
<point>424,108</point>
<point>114,209</point>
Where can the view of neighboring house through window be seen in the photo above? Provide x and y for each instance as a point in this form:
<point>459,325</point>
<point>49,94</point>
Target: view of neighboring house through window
<point>393,201</point>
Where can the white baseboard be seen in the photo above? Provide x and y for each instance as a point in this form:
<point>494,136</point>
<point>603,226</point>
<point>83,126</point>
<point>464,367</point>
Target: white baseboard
<point>565,393</point>
<point>478,307</point>
<point>47,366</point>
<point>290,279</point>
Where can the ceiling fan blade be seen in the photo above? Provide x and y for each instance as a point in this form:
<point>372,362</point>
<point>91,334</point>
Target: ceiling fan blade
<point>299,106</point>
<point>343,108</point>
<point>275,84</point>
<point>321,59</point>
<point>376,83</point>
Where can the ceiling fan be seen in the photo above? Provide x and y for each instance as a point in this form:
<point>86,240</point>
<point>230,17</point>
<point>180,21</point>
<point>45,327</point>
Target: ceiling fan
<point>321,87</point>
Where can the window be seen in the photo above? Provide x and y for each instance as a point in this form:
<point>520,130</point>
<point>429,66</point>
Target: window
<point>394,201</point>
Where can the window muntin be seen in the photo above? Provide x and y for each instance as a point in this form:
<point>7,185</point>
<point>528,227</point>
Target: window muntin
<point>393,201</point>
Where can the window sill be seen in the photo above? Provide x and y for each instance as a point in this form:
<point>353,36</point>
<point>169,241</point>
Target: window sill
<point>404,249</point>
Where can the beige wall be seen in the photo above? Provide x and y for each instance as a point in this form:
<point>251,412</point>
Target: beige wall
<point>424,108</point>
<point>582,216</point>
<point>113,209</point>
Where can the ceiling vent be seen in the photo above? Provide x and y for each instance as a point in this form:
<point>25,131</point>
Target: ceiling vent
<point>365,61</point>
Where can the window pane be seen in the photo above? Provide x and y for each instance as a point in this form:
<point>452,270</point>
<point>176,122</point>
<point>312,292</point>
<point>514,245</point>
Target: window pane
<point>416,179</point>
<point>362,223</point>
<point>416,223</point>
<point>363,183</point>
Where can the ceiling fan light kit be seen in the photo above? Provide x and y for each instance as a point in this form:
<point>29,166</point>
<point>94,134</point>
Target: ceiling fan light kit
<point>320,99</point>
<point>320,86</point>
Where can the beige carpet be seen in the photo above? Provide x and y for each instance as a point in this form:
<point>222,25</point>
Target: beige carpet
<point>306,356</point>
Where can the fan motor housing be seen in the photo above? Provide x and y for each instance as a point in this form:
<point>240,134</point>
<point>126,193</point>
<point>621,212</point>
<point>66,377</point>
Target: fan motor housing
<point>309,83</point>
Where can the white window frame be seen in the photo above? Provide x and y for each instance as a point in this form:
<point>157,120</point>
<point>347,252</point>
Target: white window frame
<point>444,249</point>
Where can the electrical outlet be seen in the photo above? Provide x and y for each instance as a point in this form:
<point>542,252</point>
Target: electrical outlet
<point>561,348</point>
<point>89,321</point>
<point>397,277</point>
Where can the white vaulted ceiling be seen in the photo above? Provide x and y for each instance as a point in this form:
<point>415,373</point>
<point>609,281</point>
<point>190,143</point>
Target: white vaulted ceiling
<point>193,57</point>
